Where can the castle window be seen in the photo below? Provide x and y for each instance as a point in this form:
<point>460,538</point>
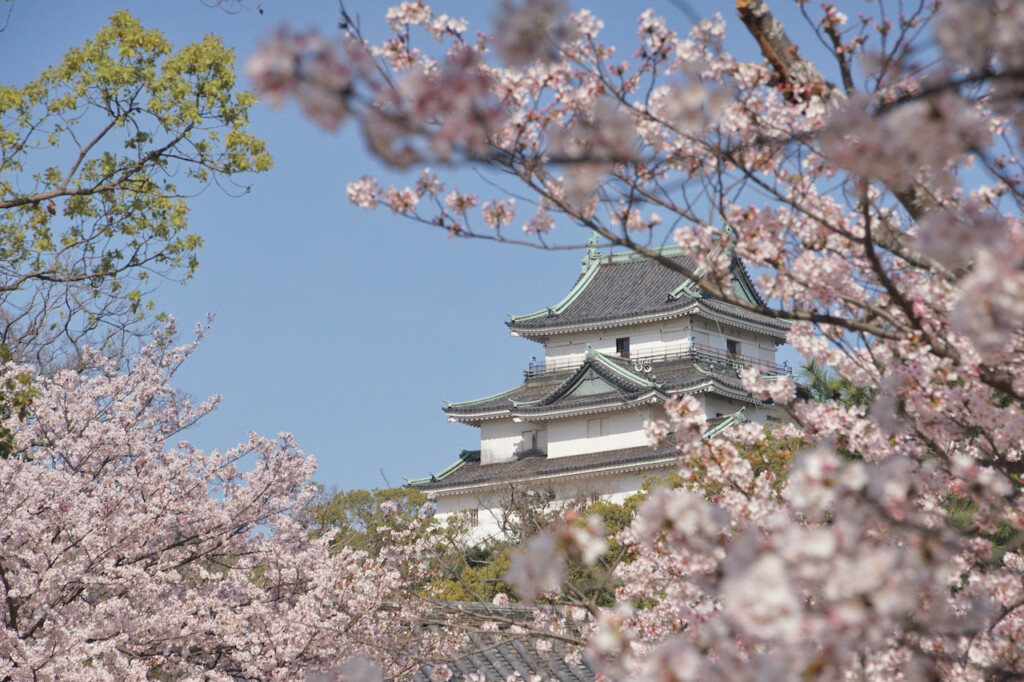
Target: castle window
<point>732,347</point>
<point>472,518</point>
<point>529,441</point>
<point>622,347</point>
<point>595,428</point>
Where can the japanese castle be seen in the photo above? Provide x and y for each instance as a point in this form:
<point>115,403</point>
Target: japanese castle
<point>629,335</point>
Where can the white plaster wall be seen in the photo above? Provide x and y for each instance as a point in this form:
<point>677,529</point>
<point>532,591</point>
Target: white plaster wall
<point>708,333</point>
<point>567,490</point>
<point>645,339</point>
<point>655,338</point>
<point>502,439</point>
<point>717,406</point>
<point>676,332</point>
<point>760,414</point>
<point>621,429</point>
<point>752,344</point>
<point>564,431</point>
<point>488,524</point>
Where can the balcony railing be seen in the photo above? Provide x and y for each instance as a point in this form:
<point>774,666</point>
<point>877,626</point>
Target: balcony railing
<point>706,356</point>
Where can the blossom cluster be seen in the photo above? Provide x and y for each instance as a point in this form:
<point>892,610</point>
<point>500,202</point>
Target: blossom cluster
<point>126,555</point>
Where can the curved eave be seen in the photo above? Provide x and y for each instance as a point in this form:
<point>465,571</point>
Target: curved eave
<point>538,332</point>
<point>546,413</point>
<point>747,283</point>
<point>474,418</point>
<point>609,363</point>
<point>542,413</point>
<point>539,412</point>
<point>582,283</point>
<point>449,407</point>
<point>774,328</point>
<point>464,457</point>
<point>714,385</point>
<point>771,327</point>
<point>607,470</point>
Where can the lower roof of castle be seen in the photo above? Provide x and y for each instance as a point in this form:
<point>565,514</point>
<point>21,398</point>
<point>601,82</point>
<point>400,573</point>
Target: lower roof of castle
<point>603,383</point>
<point>468,472</point>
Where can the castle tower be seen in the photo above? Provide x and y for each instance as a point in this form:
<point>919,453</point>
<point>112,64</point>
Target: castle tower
<point>629,335</point>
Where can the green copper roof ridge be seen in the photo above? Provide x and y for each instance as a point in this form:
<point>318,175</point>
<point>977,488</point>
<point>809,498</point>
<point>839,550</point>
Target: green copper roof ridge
<point>736,417</point>
<point>587,276</point>
<point>692,288</point>
<point>464,455</point>
<point>702,267</point>
<point>592,254</point>
<point>689,287</point>
<point>609,362</point>
<point>480,400</point>
<point>582,283</point>
<point>590,359</point>
<point>669,251</point>
<point>570,380</point>
<point>736,265</point>
<point>747,284</point>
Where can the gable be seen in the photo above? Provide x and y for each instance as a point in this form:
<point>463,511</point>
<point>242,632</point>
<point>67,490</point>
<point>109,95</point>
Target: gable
<point>742,286</point>
<point>590,384</point>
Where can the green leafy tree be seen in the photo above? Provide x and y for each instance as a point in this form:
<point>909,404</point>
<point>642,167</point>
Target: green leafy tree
<point>472,573</point>
<point>824,384</point>
<point>359,516</point>
<point>98,156</point>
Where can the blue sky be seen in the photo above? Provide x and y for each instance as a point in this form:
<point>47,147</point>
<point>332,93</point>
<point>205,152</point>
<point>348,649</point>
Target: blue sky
<point>344,327</point>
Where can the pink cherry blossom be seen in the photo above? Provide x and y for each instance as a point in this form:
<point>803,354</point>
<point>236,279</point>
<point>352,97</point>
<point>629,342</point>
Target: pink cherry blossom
<point>125,554</point>
<point>539,569</point>
<point>498,213</point>
<point>363,192</point>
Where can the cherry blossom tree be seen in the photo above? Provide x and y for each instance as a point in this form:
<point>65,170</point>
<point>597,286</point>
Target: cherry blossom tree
<point>125,555</point>
<point>871,176</point>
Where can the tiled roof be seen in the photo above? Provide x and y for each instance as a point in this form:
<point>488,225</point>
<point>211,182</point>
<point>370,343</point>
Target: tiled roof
<point>613,370</point>
<point>534,388</point>
<point>627,288</point>
<point>623,286</point>
<point>499,652</point>
<point>736,311</point>
<point>498,655</point>
<point>472,472</point>
<point>542,394</point>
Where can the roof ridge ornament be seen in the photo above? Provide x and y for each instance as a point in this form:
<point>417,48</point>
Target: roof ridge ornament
<point>731,237</point>
<point>593,256</point>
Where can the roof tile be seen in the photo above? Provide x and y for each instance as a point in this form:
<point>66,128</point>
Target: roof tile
<point>671,376</point>
<point>622,287</point>
<point>531,466</point>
